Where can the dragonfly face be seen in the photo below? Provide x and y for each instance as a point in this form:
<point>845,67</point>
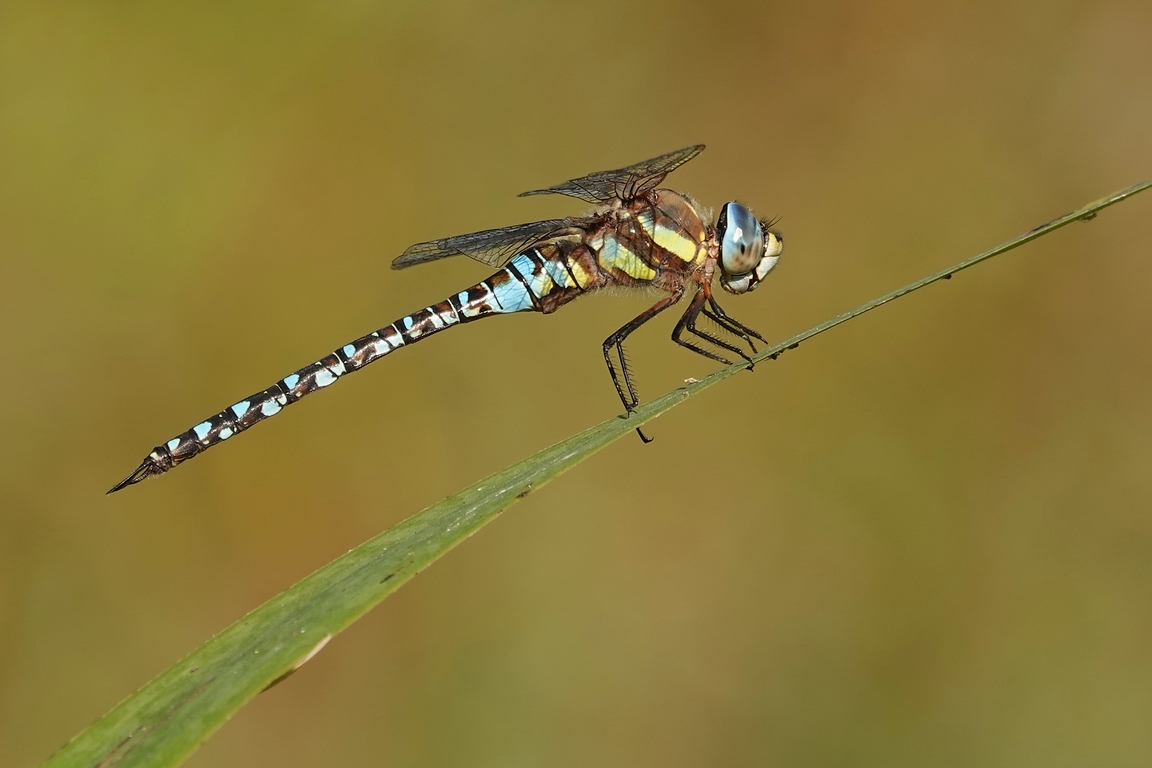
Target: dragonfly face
<point>638,236</point>
<point>749,250</point>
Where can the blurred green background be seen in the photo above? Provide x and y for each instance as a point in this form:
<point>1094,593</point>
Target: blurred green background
<point>923,539</point>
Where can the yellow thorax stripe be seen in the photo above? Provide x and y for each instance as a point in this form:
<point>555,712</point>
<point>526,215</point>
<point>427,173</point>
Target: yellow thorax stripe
<point>676,242</point>
<point>612,253</point>
<point>579,273</point>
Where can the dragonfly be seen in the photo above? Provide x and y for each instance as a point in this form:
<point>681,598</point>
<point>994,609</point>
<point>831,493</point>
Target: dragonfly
<point>639,236</point>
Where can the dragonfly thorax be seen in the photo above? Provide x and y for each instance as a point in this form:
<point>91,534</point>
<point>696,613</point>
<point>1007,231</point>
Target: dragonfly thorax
<point>676,224</point>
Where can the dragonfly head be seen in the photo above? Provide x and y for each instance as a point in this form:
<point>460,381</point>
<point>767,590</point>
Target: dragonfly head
<point>749,249</point>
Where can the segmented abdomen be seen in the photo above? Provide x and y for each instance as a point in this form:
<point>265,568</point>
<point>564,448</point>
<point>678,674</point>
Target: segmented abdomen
<point>530,282</point>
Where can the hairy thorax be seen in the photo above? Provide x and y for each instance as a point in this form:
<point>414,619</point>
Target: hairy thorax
<point>652,240</point>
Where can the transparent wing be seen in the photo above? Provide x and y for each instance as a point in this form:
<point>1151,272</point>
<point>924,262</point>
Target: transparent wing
<point>492,246</point>
<point>623,183</point>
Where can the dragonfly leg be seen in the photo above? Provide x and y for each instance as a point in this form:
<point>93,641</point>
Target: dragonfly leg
<point>700,333</point>
<point>728,327</point>
<point>616,341</point>
<point>688,322</point>
<point>723,316</point>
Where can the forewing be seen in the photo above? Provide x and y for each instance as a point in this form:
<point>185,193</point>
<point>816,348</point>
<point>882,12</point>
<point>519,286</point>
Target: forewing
<point>492,246</point>
<point>624,183</point>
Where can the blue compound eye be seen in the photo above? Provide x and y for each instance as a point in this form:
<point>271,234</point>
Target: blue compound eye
<point>741,239</point>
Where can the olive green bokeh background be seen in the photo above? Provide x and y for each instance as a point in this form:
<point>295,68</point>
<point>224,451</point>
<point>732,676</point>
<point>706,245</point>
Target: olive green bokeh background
<point>923,539</point>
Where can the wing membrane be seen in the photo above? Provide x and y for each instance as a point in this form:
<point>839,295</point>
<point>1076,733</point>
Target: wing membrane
<point>492,246</point>
<point>622,183</point>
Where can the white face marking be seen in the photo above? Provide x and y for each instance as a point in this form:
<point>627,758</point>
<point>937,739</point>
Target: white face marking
<point>291,381</point>
<point>202,429</point>
<point>324,378</point>
<point>737,285</point>
<point>226,433</point>
<point>241,408</point>
<point>270,408</point>
<point>173,443</point>
<point>767,264</point>
<point>775,244</point>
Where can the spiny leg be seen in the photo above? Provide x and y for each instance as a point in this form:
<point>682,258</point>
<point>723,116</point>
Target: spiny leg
<point>616,341</point>
<point>629,398</point>
<point>689,318</point>
<point>734,327</point>
<point>727,327</point>
<point>700,333</point>
<point>723,318</point>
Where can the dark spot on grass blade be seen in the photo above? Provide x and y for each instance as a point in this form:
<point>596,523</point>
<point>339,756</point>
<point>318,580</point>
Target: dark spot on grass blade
<point>279,680</point>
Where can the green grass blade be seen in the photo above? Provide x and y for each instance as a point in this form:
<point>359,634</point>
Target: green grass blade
<point>164,722</point>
